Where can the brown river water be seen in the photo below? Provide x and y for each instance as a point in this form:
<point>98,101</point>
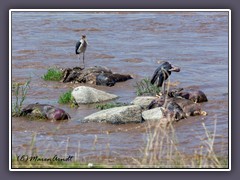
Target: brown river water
<point>125,42</point>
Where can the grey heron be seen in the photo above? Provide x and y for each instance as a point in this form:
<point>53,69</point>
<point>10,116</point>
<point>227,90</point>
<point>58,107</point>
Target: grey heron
<point>81,47</point>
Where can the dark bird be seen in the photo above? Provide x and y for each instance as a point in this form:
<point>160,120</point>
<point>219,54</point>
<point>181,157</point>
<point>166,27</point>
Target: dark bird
<point>81,47</point>
<point>162,73</point>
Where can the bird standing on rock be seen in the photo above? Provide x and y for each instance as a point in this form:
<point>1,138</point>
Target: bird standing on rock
<point>81,47</point>
<point>162,73</point>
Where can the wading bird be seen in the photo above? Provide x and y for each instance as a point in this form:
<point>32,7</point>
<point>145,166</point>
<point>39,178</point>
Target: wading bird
<point>162,73</point>
<point>81,47</point>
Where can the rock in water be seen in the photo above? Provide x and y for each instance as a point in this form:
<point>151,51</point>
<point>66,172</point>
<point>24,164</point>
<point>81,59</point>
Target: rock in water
<point>117,115</point>
<point>155,114</point>
<point>45,111</point>
<point>85,95</point>
<point>143,101</point>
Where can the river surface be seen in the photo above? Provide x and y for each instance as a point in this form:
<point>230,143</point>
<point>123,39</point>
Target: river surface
<point>126,42</point>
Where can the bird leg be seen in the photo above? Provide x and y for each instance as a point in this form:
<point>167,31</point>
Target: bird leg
<point>79,58</point>
<point>165,76</point>
<point>83,61</point>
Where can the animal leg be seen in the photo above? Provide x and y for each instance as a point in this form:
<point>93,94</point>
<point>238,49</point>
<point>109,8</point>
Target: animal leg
<point>79,57</point>
<point>83,61</point>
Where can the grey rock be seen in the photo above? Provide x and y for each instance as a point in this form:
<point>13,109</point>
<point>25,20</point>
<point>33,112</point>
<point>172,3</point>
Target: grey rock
<point>156,114</point>
<point>143,101</point>
<point>85,95</point>
<point>153,114</point>
<point>117,115</point>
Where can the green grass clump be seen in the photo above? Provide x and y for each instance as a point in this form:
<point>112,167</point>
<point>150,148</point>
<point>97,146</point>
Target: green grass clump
<point>67,98</point>
<point>144,87</point>
<point>110,105</point>
<point>20,92</point>
<point>53,74</point>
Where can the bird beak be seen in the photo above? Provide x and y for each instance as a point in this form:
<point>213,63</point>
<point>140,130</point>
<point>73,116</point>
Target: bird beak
<point>175,69</point>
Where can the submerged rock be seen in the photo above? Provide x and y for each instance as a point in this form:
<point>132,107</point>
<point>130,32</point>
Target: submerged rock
<point>97,75</point>
<point>45,111</point>
<point>117,115</point>
<point>85,95</point>
<point>155,114</point>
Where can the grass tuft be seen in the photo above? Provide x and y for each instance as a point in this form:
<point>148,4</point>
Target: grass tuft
<point>20,92</point>
<point>53,74</point>
<point>144,87</point>
<point>67,98</point>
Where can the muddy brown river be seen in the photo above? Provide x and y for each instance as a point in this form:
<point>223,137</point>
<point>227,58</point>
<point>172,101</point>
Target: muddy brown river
<point>125,42</point>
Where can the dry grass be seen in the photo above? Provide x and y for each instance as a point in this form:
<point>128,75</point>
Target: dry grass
<point>161,150</point>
